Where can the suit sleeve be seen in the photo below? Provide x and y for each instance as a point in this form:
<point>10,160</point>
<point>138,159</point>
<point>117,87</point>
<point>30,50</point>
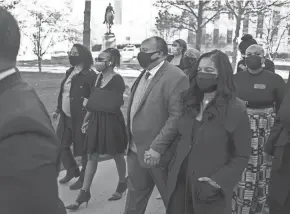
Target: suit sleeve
<point>168,133</point>
<point>229,175</point>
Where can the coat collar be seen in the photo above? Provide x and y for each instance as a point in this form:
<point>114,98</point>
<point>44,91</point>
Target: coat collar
<point>10,81</point>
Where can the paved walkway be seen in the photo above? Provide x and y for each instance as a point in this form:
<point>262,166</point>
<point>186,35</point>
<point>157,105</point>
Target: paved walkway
<point>104,185</point>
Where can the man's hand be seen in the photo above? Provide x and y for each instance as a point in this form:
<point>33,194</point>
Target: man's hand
<point>151,157</point>
<point>210,181</point>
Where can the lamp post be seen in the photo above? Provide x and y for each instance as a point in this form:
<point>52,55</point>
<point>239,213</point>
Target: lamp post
<point>87,25</point>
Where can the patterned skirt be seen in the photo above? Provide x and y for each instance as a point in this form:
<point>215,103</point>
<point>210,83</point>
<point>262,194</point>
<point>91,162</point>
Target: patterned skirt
<point>250,194</point>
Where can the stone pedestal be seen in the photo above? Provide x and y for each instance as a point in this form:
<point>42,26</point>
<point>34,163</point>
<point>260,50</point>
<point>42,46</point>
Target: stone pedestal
<point>109,41</point>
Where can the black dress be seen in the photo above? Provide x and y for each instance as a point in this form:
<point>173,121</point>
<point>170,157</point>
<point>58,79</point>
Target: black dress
<point>106,133</point>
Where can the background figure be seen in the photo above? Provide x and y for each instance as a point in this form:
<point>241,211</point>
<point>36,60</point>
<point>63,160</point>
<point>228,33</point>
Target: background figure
<point>178,49</point>
<point>153,110</point>
<point>213,141</point>
<point>278,146</point>
<point>29,147</point>
<point>105,125</point>
<point>109,9</point>
<point>74,92</point>
<point>189,59</point>
<point>247,41</point>
<point>263,92</point>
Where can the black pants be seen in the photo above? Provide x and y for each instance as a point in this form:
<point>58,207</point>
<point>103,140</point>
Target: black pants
<point>67,157</point>
<point>141,182</point>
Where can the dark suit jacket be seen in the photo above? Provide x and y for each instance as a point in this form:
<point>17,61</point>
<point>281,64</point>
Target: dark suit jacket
<point>221,150</point>
<point>81,85</point>
<point>154,123</point>
<point>29,152</point>
<point>278,145</point>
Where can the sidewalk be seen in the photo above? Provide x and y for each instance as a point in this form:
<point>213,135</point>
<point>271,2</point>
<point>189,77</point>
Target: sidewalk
<point>104,185</point>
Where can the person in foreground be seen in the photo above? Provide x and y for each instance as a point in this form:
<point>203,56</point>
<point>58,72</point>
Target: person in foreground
<point>278,146</point>
<point>29,147</point>
<point>74,92</point>
<point>104,125</point>
<point>263,92</point>
<point>214,140</point>
<point>153,110</point>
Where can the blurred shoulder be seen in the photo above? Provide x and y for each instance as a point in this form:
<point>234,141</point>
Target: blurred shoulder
<point>236,107</point>
<point>173,71</point>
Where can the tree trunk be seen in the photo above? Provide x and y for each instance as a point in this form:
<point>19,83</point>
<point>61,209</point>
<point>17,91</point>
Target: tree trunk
<point>39,60</point>
<point>198,39</point>
<point>87,24</point>
<point>235,41</point>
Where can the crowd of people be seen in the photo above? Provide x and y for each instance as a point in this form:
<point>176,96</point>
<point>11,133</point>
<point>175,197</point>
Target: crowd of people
<point>211,141</point>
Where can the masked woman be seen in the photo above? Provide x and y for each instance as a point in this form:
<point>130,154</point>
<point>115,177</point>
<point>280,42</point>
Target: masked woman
<point>189,59</point>
<point>263,91</point>
<point>75,90</point>
<point>247,41</point>
<point>178,49</point>
<point>278,146</point>
<point>213,141</point>
<point>104,125</point>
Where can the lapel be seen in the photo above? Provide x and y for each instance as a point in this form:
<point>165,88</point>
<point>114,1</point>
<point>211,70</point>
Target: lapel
<point>154,80</point>
<point>133,90</point>
<point>10,81</point>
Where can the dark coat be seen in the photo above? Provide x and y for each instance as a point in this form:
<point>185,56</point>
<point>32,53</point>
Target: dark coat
<point>181,65</point>
<point>81,85</point>
<point>29,152</point>
<point>221,151</point>
<point>278,145</point>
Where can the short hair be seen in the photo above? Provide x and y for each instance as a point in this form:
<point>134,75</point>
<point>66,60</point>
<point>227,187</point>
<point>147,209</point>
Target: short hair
<point>115,56</point>
<point>257,48</point>
<point>9,36</point>
<point>192,52</point>
<point>85,55</point>
<point>161,44</point>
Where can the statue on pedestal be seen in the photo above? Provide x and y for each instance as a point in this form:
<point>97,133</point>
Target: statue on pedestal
<point>109,18</point>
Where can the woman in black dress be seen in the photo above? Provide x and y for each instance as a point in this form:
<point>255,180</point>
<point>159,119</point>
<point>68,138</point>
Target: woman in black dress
<point>105,126</point>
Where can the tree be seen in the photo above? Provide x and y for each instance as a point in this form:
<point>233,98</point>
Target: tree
<point>9,4</point>
<point>274,32</point>
<point>45,27</point>
<point>163,26</point>
<point>239,9</point>
<point>193,14</point>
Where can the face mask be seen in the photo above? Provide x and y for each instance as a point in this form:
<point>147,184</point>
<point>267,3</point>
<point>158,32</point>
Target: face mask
<point>206,82</point>
<point>100,66</point>
<point>254,62</point>
<point>75,60</point>
<point>145,60</point>
<point>174,50</point>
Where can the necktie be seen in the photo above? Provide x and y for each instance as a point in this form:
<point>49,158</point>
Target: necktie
<point>147,75</point>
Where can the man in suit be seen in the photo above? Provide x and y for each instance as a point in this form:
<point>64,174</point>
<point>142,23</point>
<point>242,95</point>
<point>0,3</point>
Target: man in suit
<point>153,111</point>
<point>29,147</point>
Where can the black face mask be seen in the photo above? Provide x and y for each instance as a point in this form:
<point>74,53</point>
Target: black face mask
<point>144,59</point>
<point>254,62</point>
<point>75,60</point>
<point>206,82</point>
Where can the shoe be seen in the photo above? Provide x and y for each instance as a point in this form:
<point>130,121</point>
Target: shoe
<point>83,197</point>
<point>67,178</point>
<point>121,188</point>
<point>77,185</point>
